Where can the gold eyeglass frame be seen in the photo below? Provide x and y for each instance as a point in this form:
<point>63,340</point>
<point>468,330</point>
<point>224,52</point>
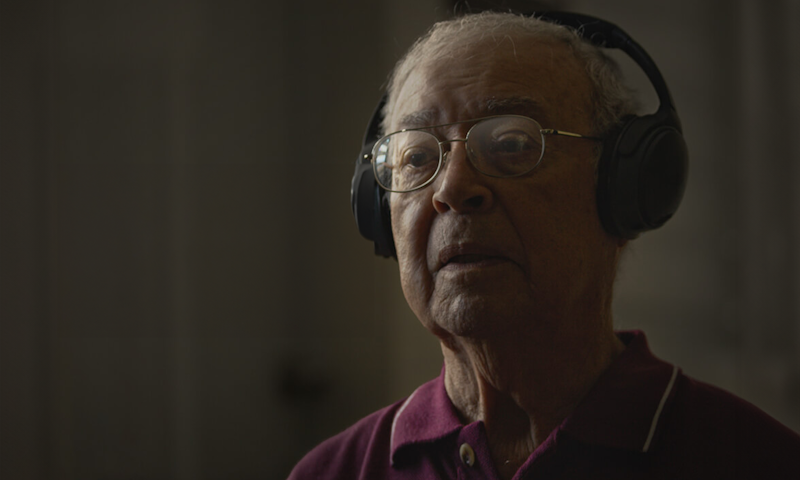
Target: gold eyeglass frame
<point>443,154</point>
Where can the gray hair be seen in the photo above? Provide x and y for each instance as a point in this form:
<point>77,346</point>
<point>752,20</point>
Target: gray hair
<point>611,99</point>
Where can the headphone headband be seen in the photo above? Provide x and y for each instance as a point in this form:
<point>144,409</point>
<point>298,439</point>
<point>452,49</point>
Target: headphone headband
<point>603,34</point>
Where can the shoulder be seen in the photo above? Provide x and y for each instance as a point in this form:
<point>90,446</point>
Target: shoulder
<point>706,405</point>
<point>708,426</point>
<point>363,446</point>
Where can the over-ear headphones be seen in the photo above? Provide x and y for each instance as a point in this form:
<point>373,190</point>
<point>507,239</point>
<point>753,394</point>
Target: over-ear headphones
<point>641,174</point>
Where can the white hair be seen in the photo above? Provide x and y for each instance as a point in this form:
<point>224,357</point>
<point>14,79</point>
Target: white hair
<point>611,100</point>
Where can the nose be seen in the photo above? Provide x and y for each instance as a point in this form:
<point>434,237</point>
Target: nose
<point>459,186</point>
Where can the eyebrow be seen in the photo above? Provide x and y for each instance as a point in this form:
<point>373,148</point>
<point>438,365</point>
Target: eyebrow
<point>491,106</point>
<point>516,105</point>
<point>422,118</point>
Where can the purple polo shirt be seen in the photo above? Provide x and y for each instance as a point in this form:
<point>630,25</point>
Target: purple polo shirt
<point>643,419</point>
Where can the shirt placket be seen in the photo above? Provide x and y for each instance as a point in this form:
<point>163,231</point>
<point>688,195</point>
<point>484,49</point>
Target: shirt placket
<point>471,452</point>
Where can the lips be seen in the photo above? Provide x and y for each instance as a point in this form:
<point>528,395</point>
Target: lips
<point>471,258</point>
<point>463,255</point>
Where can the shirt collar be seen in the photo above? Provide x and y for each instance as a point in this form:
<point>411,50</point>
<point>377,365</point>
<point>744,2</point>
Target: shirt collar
<point>426,416</point>
<point>622,410</point>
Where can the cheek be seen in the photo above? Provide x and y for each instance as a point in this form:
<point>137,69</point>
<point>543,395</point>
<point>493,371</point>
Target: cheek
<point>411,227</point>
<point>559,225</point>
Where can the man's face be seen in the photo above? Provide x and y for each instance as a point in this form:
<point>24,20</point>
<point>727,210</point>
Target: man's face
<point>479,255</point>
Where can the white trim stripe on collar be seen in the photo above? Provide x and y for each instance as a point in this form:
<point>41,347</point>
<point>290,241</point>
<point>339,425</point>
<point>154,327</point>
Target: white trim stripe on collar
<point>394,424</point>
<point>656,417</point>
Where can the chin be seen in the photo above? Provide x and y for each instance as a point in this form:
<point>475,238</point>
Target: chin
<point>477,316</point>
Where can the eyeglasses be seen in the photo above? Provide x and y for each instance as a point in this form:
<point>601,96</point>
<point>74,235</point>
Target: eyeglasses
<point>497,146</point>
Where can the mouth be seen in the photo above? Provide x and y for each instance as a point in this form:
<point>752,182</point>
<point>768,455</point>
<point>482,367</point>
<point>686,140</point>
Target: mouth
<point>458,257</point>
<point>469,258</point>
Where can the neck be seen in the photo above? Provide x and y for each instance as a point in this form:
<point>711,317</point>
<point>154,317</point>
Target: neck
<point>523,386</point>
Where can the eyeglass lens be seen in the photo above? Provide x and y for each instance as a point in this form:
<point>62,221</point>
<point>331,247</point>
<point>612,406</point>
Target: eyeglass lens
<point>504,146</point>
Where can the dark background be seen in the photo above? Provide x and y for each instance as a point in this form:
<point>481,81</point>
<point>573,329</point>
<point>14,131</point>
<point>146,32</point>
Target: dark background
<point>184,293</point>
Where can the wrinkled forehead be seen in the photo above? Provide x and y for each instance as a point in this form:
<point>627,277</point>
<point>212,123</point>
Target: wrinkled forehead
<point>532,75</point>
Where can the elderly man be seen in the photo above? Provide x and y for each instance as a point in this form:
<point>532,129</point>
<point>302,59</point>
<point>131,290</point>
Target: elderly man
<point>496,124</point>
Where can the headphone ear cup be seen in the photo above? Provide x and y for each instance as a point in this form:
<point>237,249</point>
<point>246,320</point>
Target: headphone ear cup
<point>642,175</point>
<point>369,202</point>
<point>370,205</point>
<point>361,201</point>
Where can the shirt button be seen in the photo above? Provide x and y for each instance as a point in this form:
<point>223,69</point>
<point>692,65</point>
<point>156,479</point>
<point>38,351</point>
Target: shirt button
<point>467,454</point>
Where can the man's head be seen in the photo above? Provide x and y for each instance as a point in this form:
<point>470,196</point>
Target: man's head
<point>482,256</point>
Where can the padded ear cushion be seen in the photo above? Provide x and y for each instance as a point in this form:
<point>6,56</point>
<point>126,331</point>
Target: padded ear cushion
<point>384,237</point>
<point>642,175</point>
<point>370,205</point>
<point>361,202</point>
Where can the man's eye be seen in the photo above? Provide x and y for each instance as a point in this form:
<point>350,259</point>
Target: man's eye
<point>418,157</point>
<point>512,143</point>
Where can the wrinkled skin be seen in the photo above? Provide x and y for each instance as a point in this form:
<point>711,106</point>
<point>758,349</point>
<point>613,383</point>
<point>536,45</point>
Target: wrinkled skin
<point>542,228</point>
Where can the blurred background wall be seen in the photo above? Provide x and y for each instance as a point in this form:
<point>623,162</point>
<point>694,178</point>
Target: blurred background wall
<point>184,292</point>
